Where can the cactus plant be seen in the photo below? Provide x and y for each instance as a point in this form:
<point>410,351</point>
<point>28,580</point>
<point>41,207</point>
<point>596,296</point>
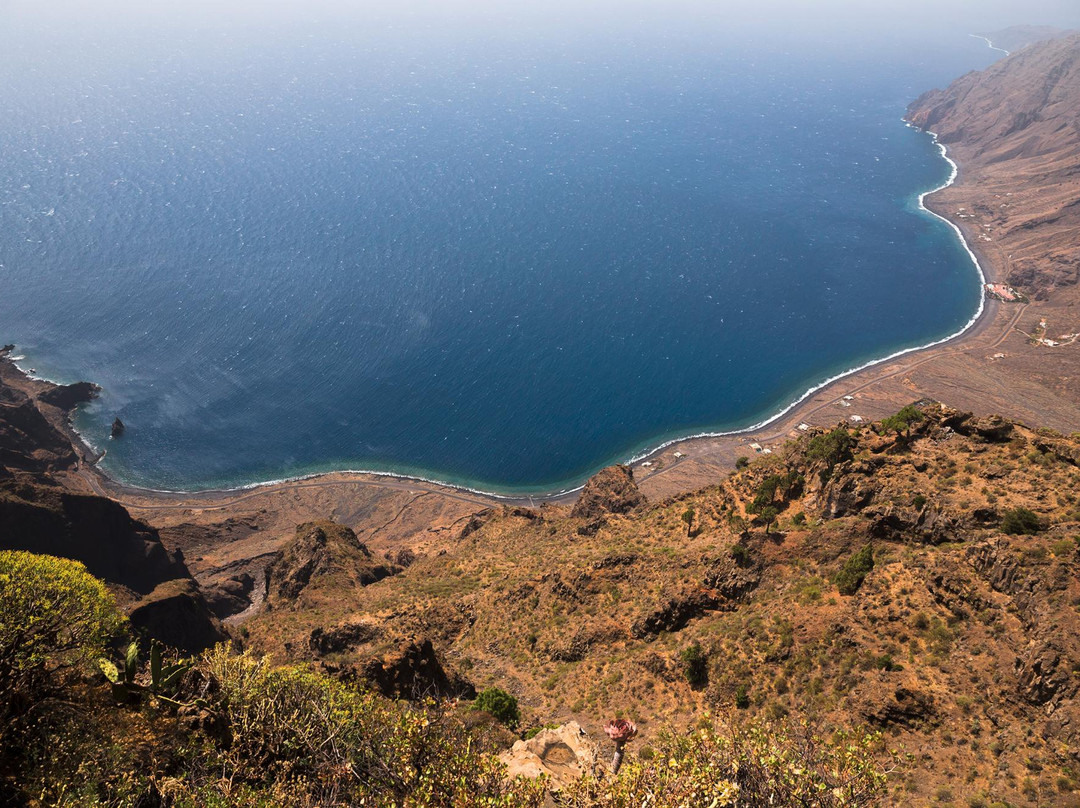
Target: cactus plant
<point>163,678</point>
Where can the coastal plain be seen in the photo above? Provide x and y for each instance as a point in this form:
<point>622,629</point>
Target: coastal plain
<point>959,642</point>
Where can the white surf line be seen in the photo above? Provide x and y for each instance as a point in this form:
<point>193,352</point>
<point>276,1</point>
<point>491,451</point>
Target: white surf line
<point>953,173</point>
<point>989,43</point>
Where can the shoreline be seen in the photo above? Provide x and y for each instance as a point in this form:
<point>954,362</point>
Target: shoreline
<point>641,460</point>
<point>111,486</point>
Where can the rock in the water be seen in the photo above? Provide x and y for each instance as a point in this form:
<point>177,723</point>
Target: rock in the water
<point>564,755</point>
<point>611,490</point>
<point>117,428</point>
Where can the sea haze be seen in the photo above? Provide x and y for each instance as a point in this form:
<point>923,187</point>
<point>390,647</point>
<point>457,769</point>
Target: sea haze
<point>499,252</point>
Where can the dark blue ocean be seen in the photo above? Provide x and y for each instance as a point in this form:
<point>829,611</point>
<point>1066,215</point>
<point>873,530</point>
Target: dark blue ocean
<point>496,251</point>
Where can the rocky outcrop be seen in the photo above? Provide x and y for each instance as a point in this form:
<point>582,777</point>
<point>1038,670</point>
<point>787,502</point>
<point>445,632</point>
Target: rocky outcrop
<point>344,637</point>
<point>903,706</point>
<point>69,396</point>
<point>675,612</point>
<point>231,596</point>
<point>1046,672</point>
<point>610,491</point>
<point>564,755</point>
<point>321,550</point>
<point>96,531</point>
<point>415,672</point>
<point>117,429</point>
<point>176,614</point>
<point>28,442</point>
<point>575,646</point>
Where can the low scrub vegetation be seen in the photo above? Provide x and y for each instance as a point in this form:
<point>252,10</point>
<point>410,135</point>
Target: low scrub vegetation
<point>237,730</point>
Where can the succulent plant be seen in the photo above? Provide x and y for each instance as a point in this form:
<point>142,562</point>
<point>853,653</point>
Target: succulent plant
<point>163,678</point>
<point>620,731</point>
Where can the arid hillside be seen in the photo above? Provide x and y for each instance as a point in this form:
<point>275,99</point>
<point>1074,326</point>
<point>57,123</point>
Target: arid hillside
<point>957,632</point>
<point>1013,129</point>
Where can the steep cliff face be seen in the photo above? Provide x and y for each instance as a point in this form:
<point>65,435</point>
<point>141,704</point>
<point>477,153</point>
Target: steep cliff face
<point>1013,129</point>
<point>39,515</point>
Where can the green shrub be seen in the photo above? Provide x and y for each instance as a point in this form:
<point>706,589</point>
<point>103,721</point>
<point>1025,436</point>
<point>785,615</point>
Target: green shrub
<point>55,619</point>
<point>799,519</point>
<point>742,462</point>
<point>832,447</point>
<point>918,502</point>
<point>1065,547</point>
<point>742,697</point>
<point>500,704</point>
<point>296,736</point>
<point>1020,521</point>
<point>902,421</point>
<point>753,765</point>
<point>855,569</point>
<point>741,554</point>
<point>695,665</point>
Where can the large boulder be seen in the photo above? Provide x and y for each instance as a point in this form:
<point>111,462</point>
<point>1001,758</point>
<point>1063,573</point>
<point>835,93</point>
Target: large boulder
<point>564,755</point>
<point>176,614</point>
<point>610,491</point>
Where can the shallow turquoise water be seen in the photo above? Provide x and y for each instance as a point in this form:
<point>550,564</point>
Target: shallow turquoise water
<point>501,257</point>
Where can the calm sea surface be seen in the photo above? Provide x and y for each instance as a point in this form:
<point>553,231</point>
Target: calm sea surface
<point>502,255</point>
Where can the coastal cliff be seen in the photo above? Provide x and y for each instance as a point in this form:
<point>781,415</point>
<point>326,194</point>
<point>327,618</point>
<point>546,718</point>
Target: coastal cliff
<point>916,575</point>
<point>1012,128</point>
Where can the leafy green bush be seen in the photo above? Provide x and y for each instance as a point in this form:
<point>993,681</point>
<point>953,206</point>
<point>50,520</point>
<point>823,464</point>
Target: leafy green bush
<point>742,462</point>
<point>902,421</point>
<point>753,765</point>
<point>55,619</point>
<point>1020,521</point>
<point>308,739</point>
<point>918,502</point>
<point>742,697</point>
<point>695,665</point>
<point>500,704</point>
<point>832,447</point>
<point>855,569</point>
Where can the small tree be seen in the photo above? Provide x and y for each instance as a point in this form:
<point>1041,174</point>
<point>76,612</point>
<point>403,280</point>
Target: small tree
<point>742,462</point>
<point>55,619</point>
<point>768,515</point>
<point>855,569</point>
<point>688,517</point>
<point>695,665</point>
<point>1020,522</point>
<point>831,447</point>
<point>902,421</point>
<point>500,704</point>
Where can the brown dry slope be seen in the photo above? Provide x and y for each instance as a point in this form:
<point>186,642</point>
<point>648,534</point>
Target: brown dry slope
<point>1015,130</point>
<point>962,643</point>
